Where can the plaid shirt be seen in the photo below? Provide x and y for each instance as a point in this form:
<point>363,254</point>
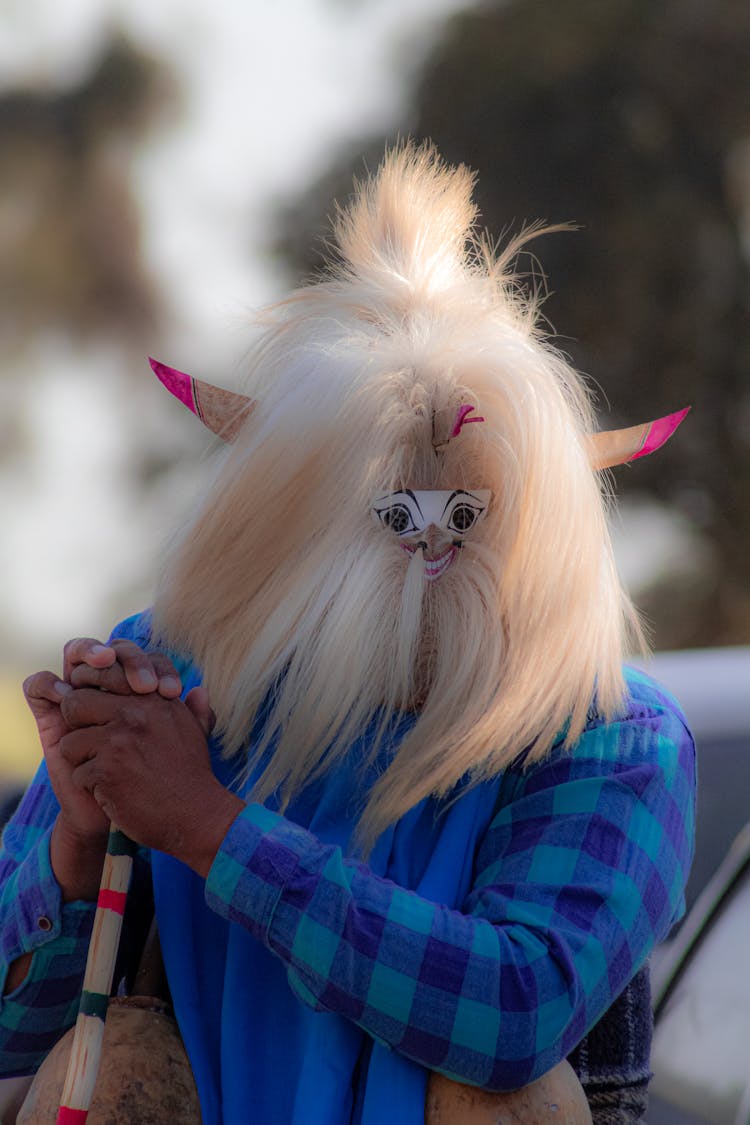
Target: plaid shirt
<point>579,875</point>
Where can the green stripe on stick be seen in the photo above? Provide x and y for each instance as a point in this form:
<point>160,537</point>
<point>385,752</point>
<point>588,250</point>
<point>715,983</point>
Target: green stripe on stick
<point>93,1004</point>
<point>120,844</point>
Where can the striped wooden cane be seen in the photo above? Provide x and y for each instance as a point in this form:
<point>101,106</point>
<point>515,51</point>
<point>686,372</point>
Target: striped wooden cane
<point>86,1050</point>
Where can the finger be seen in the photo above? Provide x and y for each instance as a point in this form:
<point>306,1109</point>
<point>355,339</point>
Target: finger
<point>143,670</point>
<point>170,684</point>
<point>43,691</point>
<point>86,650</point>
<point>197,703</point>
<point>87,775</point>
<point>80,746</point>
<point>44,694</point>
<point>88,707</point>
<point>133,671</point>
<point>93,779</point>
<point>110,679</point>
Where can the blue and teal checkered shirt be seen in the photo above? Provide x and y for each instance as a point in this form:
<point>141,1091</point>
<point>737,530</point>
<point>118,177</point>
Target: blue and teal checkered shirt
<point>579,872</point>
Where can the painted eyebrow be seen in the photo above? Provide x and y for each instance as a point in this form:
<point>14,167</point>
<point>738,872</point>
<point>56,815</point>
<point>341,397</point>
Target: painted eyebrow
<point>408,492</point>
<point>459,492</point>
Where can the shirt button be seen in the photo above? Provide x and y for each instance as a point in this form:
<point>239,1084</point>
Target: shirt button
<point>44,923</point>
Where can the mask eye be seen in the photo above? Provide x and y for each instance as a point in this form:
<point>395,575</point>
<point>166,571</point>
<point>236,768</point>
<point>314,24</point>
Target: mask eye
<point>397,518</point>
<point>463,517</point>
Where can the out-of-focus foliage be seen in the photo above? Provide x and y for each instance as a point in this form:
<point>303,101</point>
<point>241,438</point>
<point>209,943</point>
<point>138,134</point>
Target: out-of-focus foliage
<point>69,227</point>
<point>77,305</point>
<point>630,118</point>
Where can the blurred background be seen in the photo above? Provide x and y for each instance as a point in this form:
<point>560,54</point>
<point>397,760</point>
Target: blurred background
<point>166,168</point>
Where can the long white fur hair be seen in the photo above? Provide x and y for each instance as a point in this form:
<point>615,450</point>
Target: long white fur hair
<point>284,590</point>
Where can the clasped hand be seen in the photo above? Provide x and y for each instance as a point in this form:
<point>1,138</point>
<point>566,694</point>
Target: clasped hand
<point>121,746</point>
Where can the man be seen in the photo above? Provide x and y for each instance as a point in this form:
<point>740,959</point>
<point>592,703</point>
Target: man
<point>437,827</point>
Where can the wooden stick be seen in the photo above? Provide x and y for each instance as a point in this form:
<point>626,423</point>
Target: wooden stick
<point>85,1054</point>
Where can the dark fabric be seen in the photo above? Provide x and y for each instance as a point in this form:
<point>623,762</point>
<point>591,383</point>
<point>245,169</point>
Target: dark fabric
<point>612,1061</point>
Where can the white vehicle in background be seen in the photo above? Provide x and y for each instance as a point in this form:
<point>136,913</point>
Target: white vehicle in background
<point>701,976</point>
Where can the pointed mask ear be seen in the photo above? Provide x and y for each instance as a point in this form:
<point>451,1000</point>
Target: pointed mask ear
<point>220,410</point>
<point>616,447</point>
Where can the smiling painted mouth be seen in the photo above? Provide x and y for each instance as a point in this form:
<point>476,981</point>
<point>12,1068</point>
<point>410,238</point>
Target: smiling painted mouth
<point>433,568</point>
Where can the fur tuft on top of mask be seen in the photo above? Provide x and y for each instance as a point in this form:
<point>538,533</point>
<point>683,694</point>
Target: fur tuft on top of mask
<point>413,222</point>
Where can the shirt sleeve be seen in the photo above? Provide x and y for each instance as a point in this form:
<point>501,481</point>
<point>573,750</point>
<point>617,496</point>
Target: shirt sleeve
<point>33,919</point>
<point>580,873</point>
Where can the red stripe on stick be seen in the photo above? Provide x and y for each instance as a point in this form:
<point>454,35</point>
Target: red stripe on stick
<point>112,900</point>
<point>67,1116</point>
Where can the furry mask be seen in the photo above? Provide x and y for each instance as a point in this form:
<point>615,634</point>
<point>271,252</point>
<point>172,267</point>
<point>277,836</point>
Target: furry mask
<point>363,384</point>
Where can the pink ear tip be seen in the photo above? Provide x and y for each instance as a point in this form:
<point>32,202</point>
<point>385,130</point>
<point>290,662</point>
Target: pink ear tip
<point>160,370</point>
<point>660,432</point>
<point>177,383</point>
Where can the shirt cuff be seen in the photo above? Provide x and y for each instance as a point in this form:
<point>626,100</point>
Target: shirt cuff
<point>36,914</point>
<point>68,943</point>
<point>258,856</point>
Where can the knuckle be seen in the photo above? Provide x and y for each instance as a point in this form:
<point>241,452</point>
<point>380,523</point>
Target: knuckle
<point>120,739</point>
<point>31,683</point>
<point>73,645</point>
<point>112,678</point>
<point>136,721</point>
<point>38,680</point>
<point>123,732</point>
<point>106,679</point>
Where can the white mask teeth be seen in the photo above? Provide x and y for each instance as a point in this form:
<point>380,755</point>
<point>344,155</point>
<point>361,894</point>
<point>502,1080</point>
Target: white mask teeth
<point>433,568</point>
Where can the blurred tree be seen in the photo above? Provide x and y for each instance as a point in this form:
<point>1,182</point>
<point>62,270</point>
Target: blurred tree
<point>76,299</point>
<point>69,226</point>
<point>631,119</point>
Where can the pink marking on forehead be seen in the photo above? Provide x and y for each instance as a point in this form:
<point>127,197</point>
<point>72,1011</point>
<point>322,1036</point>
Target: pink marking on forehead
<point>179,384</point>
<point>659,432</point>
<point>462,418</point>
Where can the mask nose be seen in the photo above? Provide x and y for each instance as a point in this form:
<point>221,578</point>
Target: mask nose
<point>436,539</point>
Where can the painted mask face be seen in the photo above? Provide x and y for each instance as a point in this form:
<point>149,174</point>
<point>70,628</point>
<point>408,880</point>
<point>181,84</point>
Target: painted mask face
<point>436,520</point>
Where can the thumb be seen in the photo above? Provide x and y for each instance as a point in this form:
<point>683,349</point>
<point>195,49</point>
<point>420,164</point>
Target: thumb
<point>197,703</point>
<point>44,693</point>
